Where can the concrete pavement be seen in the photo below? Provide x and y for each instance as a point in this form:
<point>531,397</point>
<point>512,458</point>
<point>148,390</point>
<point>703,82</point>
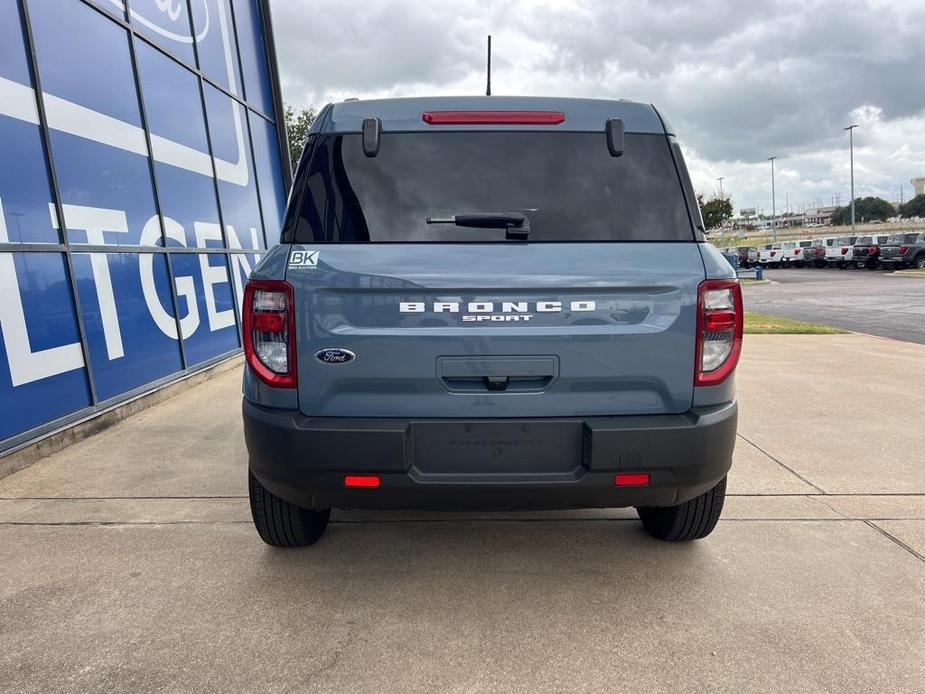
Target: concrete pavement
<point>128,562</point>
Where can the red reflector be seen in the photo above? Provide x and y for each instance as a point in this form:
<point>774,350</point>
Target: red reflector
<point>718,321</point>
<point>269,322</point>
<point>493,117</point>
<point>631,479</point>
<point>361,481</point>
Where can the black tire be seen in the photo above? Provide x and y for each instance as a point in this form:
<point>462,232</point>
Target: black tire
<point>280,523</point>
<point>692,520</point>
<point>919,263</point>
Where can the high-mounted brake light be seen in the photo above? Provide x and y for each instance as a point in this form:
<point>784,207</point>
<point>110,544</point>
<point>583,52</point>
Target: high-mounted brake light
<point>269,332</point>
<point>719,331</point>
<point>493,117</point>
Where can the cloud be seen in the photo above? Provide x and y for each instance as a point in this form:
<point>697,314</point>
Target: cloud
<point>739,80</point>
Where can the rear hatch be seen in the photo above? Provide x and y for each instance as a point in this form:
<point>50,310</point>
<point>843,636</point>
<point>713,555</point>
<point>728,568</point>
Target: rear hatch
<point>587,309</point>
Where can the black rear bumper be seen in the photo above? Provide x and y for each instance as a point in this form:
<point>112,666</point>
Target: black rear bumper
<point>479,463</point>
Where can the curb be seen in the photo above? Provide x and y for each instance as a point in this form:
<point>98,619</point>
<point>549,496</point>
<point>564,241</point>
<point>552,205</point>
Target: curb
<point>21,458</point>
<point>920,274</point>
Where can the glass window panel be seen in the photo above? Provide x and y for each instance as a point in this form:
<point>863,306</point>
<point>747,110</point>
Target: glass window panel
<point>100,153</point>
<point>237,189</point>
<point>215,41</point>
<point>269,176</point>
<point>185,185</point>
<point>115,7</point>
<point>43,376</point>
<point>166,23</point>
<point>217,331</point>
<point>89,63</point>
<point>253,55</point>
<point>128,317</point>
<point>13,62</point>
<point>24,184</point>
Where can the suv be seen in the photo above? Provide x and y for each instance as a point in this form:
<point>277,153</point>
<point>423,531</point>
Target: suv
<point>815,254</point>
<point>866,251</point>
<point>904,250</point>
<point>490,302</point>
<point>840,253</point>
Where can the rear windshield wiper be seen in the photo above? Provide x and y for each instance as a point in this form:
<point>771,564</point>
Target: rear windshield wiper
<point>514,223</point>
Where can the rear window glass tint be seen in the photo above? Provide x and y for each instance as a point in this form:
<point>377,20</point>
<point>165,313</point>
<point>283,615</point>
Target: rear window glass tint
<point>567,185</point>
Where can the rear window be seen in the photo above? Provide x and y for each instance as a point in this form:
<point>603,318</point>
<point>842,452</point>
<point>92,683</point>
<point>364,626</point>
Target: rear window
<point>898,239</point>
<point>864,240</point>
<point>567,185</point>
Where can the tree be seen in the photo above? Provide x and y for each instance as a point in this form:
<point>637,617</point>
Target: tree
<point>715,211</point>
<point>297,127</point>
<point>865,210</point>
<point>914,208</point>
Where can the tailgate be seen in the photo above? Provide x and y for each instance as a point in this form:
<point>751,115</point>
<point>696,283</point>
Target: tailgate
<point>496,330</point>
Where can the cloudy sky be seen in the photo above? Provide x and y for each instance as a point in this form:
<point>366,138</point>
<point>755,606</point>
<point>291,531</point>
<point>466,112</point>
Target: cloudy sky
<point>740,80</point>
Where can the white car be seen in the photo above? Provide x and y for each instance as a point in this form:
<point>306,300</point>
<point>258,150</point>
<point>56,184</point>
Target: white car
<point>840,253</point>
<point>769,255</point>
<point>792,252</point>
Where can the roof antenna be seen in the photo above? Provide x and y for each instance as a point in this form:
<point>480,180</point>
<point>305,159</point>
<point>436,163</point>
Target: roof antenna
<point>488,85</point>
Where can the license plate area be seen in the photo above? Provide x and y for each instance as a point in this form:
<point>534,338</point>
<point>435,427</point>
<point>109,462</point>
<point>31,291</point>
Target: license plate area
<point>521,447</point>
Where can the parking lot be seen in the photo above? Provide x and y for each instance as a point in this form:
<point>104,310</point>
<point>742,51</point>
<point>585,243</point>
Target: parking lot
<point>128,562</point>
<point>876,302</point>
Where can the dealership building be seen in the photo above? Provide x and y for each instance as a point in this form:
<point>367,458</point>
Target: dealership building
<point>142,174</point>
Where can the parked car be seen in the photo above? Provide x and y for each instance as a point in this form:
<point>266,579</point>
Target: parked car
<point>748,256</point>
<point>770,255</point>
<point>839,253</point>
<point>906,249</point>
<point>866,251</point>
<point>452,338</point>
<point>815,254</point>
<point>793,252</point>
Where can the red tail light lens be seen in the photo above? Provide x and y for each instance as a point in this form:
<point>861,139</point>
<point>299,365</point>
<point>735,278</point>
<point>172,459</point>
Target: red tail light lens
<point>719,331</point>
<point>493,117</point>
<point>903,249</point>
<point>269,332</point>
<point>796,251</point>
<point>844,251</point>
<point>773,253</point>
<point>369,481</point>
<point>631,479</point>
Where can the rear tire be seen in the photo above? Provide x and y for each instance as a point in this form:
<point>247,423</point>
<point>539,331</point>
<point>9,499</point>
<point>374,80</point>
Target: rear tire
<point>692,520</point>
<point>920,262</point>
<point>281,524</point>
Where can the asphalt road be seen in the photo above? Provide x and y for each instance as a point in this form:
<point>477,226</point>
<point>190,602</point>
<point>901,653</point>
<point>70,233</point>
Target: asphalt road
<point>874,302</point>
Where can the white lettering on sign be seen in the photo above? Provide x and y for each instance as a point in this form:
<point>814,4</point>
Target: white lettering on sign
<point>27,366</point>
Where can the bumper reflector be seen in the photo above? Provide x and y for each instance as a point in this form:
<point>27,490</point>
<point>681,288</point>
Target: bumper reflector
<point>361,481</point>
<point>631,479</point>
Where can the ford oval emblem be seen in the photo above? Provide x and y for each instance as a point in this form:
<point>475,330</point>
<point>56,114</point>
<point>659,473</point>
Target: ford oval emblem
<point>335,355</point>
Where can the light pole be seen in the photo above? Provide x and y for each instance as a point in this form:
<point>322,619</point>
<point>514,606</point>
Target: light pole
<point>850,130</point>
<point>720,179</point>
<point>773,200</point>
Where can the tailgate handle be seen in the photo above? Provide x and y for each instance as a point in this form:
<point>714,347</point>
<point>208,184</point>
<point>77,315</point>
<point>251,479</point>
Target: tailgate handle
<point>496,383</point>
<point>497,374</point>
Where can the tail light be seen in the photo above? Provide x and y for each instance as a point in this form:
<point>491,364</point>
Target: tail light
<point>903,249</point>
<point>719,331</point>
<point>844,251</point>
<point>269,332</point>
<point>796,251</point>
<point>872,250</point>
<point>773,253</point>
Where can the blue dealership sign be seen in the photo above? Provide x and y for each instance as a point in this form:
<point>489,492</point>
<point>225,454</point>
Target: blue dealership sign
<point>170,185</point>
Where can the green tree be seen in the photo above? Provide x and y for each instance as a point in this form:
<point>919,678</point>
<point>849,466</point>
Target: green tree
<point>298,124</point>
<point>865,210</point>
<point>914,208</point>
<point>715,211</point>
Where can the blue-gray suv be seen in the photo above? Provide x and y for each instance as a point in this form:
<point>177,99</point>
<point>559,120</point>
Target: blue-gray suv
<point>490,302</point>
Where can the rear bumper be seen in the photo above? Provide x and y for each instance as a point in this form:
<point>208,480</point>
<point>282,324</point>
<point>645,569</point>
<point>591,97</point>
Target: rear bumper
<point>544,463</point>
